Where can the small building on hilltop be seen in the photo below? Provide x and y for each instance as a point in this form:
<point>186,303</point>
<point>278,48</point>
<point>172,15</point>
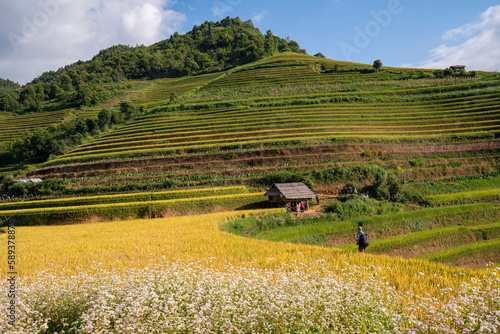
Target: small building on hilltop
<point>293,193</point>
<point>458,68</point>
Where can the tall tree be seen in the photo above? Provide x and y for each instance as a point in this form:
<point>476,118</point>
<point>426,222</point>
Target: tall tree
<point>377,64</point>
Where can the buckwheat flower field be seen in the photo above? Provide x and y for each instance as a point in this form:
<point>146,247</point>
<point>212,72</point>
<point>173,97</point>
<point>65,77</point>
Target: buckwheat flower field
<point>196,298</point>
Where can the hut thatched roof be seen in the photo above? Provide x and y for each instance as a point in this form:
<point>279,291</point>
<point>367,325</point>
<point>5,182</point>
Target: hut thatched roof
<point>291,191</point>
<point>457,68</point>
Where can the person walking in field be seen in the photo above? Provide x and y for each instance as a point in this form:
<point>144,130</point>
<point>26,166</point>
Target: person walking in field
<point>362,240</point>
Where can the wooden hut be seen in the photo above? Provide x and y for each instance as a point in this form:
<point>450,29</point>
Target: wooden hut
<point>293,193</point>
<point>458,68</point>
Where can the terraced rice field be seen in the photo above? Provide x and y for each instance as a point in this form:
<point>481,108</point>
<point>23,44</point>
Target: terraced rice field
<point>222,141</point>
<point>154,93</point>
<point>165,89</point>
<point>165,133</point>
<point>68,209</point>
<point>435,234</point>
<point>104,276</point>
<point>293,75</point>
<point>120,198</point>
<point>430,112</point>
<point>14,126</point>
<point>143,94</point>
<point>292,113</point>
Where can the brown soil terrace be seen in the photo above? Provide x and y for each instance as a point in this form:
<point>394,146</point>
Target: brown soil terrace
<point>266,157</point>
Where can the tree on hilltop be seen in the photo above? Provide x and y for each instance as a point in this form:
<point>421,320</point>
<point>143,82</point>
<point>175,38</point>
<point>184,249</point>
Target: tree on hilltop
<point>377,64</point>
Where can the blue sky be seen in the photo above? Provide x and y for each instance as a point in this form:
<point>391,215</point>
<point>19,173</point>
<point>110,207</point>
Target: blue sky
<point>41,35</point>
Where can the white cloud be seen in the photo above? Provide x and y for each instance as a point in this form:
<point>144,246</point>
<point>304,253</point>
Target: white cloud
<point>406,65</point>
<point>221,9</point>
<point>479,51</point>
<point>143,21</point>
<point>258,17</point>
<point>41,35</point>
<point>471,28</point>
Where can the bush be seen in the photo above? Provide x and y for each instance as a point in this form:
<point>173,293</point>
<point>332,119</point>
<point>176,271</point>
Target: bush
<point>275,221</point>
<point>409,196</point>
<point>352,206</point>
<point>285,177</point>
<point>335,207</point>
<point>128,109</point>
<point>52,186</point>
<point>382,193</point>
<point>47,187</point>
<point>359,206</point>
<point>249,225</point>
<point>418,162</point>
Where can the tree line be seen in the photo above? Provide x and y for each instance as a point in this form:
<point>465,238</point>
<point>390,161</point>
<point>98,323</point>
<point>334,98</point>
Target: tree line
<point>7,86</point>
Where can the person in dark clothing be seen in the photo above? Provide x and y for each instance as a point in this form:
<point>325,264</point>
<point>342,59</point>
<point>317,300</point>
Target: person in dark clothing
<point>362,249</point>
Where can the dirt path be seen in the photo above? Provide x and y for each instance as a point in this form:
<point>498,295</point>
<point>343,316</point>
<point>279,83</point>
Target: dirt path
<point>315,210</point>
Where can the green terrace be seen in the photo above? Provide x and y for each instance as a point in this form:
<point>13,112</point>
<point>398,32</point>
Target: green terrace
<point>169,132</point>
<point>129,205</point>
<point>16,125</point>
<point>435,234</point>
<point>121,198</point>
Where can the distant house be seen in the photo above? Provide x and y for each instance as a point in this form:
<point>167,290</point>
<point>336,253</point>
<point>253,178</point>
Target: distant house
<point>293,193</point>
<point>27,180</point>
<point>458,68</point>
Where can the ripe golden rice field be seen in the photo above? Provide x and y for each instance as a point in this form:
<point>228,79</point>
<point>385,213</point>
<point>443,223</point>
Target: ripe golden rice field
<point>121,245</point>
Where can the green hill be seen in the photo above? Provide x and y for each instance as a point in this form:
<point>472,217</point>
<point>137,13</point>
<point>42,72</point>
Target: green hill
<point>210,47</point>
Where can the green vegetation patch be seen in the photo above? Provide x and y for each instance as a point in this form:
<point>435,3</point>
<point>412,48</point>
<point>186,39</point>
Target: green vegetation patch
<point>476,194</point>
<point>460,250</point>
<point>330,223</point>
<point>386,244</point>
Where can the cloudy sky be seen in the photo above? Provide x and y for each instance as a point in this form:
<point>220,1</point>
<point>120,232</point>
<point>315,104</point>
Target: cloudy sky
<point>42,35</point>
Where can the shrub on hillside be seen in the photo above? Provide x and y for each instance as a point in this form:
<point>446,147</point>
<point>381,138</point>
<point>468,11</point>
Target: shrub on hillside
<point>248,225</point>
<point>285,177</point>
<point>352,206</point>
<point>336,208</point>
<point>47,187</point>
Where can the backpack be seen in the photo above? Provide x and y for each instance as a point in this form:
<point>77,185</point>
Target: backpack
<point>364,240</point>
